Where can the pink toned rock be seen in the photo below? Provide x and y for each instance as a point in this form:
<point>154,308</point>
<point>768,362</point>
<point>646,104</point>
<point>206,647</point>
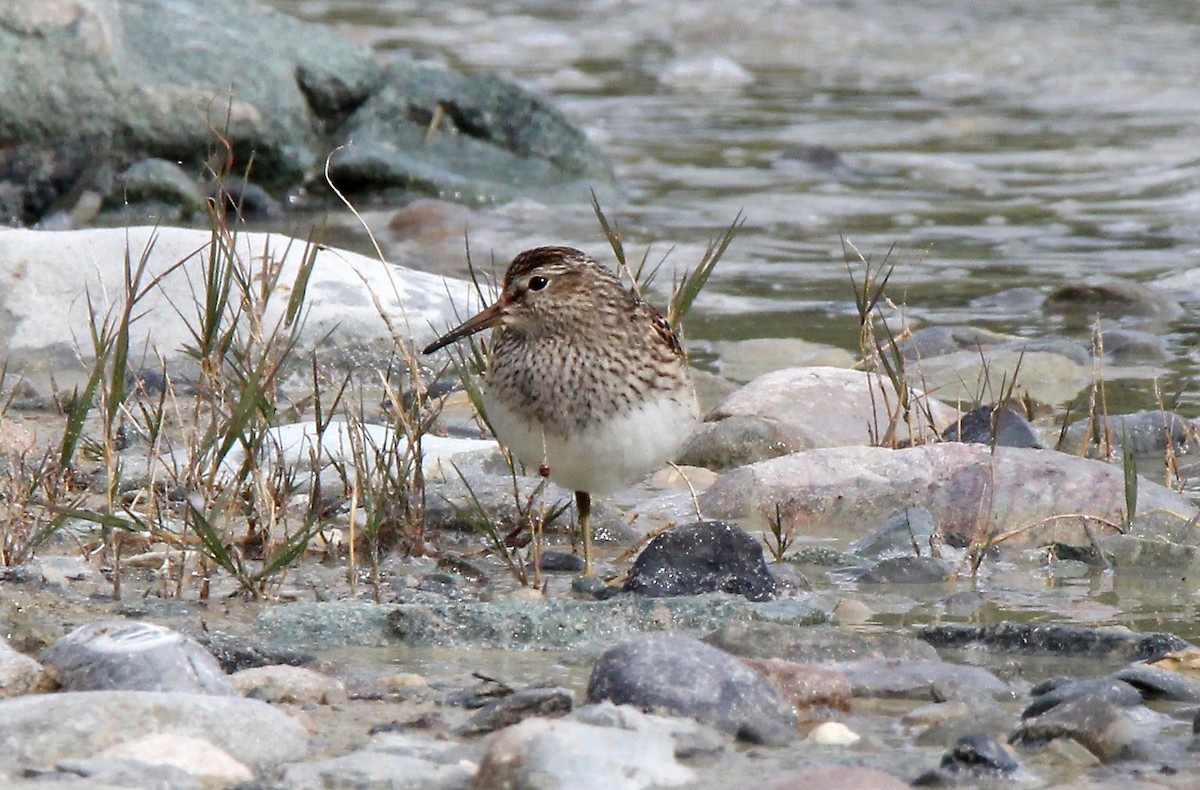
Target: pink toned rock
<point>845,492</point>
<point>815,692</point>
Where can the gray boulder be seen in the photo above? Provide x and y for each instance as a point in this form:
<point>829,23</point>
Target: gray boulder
<point>129,655</point>
<point>682,676</point>
<point>32,730</point>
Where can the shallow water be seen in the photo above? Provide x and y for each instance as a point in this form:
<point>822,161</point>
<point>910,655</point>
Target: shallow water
<point>992,145</point>
<point>988,146</point>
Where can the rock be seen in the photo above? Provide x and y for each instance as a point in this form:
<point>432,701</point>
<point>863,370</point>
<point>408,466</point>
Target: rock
<point>129,655</point>
<point>827,407</point>
<point>1052,693</point>
<point>1133,347</point>
<point>838,777</point>
<point>105,773</point>
<point>708,556</point>
<point>1061,640</point>
<point>815,692</point>
<point>967,377</point>
<point>172,80</point>
<point>907,570</point>
<point>833,733</point>
<point>62,571</point>
<point>735,441</point>
<point>1112,296</point>
<point>252,732</point>
<point>199,757</point>
<point>924,680</point>
<point>1147,433</point>
<point>160,181</point>
<point>691,738</point>
<point>557,623</point>
<point>949,722</point>
<point>974,758</point>
<point>291,685</point>
<point>373,769</point>
<point>474,139</point>
<point>1159,684</point>
<point>44,272</point>
<point>934,341</point>
<point>743,360</point>
<point>833,492</point>
<point>679,675</point>
<point>554,560</point>
<point>1020,301</point>
<point>904,534</point>
<point>815,644</point>
<point>983,425</point>
<point>541,754</point>
<point>19,674</point>
<point>235,653</point>
<point>1101,727</point>
<point>344,446</point>
<point>518,706</point>
<point>156,77</point>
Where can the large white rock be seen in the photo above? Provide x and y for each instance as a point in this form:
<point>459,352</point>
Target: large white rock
<point>47,279</point>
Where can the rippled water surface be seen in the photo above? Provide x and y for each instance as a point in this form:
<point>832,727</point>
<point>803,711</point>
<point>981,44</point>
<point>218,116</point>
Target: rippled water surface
<point>994,145</point>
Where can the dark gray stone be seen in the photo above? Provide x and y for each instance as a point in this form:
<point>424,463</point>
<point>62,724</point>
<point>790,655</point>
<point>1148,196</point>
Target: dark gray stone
<point>235,653</point>
<point>1056,691</point>
<point>990,425</point>
<point>1160,684</point>
<point>130,655</point>
<point>518,706</point>
<point>682,676</point>
<point>708,556</point>
<point>554,560</point>
<point>974,757</point>
<point>470,139</point>
<point>1064,640</point>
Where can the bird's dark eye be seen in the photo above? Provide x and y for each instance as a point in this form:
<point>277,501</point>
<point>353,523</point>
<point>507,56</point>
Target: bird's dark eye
<point>538,283</point>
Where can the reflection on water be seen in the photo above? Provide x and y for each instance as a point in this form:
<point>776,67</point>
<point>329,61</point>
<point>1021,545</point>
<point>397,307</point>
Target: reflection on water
<point>995,145</point>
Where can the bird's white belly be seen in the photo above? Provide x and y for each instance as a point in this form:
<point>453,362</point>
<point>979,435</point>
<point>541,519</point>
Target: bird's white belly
<point>605,456</point>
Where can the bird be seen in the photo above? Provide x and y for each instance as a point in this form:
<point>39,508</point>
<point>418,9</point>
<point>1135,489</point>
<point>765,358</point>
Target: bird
<point>585,381</point>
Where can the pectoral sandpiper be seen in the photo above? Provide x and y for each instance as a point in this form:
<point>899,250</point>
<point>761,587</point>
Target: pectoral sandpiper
<point>585,380</point>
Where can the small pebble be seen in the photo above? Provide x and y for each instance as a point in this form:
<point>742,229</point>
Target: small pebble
<point>554,560</point>
<point>833,733</point>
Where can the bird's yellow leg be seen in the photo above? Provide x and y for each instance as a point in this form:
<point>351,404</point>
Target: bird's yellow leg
<point>583,503</point>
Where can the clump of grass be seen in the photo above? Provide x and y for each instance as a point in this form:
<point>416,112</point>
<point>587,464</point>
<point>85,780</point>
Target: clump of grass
<point>882,356</point>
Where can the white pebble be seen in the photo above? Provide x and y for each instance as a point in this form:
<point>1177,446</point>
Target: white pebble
<point>833,733</point>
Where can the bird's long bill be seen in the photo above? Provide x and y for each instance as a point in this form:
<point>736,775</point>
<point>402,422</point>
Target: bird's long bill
<point>478,322</point>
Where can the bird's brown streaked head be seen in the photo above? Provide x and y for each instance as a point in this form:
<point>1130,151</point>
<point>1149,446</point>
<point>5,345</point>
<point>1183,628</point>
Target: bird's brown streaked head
<point>531,277</point>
